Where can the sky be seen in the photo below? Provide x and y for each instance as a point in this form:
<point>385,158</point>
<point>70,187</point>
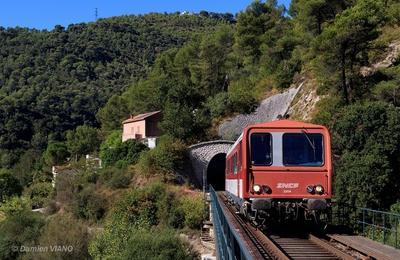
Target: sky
<point>45,14</point>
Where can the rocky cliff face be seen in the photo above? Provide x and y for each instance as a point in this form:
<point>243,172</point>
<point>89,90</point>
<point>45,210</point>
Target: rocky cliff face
<point>303,105</point>
<point>268,110</point>
<point>391,57</point>
<point>299,101</point>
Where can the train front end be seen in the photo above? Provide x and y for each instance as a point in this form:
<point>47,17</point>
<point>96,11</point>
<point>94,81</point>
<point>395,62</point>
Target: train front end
<point>289,171</point>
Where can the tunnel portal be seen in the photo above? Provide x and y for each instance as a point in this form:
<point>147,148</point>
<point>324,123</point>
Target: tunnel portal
<point>216,172</point>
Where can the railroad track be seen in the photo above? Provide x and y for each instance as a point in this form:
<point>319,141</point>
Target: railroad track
<point>285,246</point>
<point>307,247</point>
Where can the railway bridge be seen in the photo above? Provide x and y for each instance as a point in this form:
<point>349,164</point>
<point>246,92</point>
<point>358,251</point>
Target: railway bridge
<point>235,238</point>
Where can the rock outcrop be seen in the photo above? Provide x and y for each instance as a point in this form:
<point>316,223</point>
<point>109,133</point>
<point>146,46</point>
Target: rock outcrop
<point>268,110</point>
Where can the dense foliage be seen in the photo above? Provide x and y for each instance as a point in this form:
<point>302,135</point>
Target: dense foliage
<point>53,81</point>
<point>139,212</point>
<point>64,93</point>
<point>368,137</point>
<point>21,227</point>
<point>9,185</point>
<point>115,152</point>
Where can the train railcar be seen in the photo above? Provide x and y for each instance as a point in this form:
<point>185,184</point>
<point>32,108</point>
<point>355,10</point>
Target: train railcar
<point>281,170</point>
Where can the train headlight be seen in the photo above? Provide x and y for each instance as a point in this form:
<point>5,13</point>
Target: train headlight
<point>319,189</point>
<point>267,189</point>
<point>257,188</point>
<point>310,189</point>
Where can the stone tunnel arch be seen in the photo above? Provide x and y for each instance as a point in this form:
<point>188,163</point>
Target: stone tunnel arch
<point>208,162</point>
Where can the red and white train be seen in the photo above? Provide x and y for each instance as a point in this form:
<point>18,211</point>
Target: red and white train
<point>280,170</point>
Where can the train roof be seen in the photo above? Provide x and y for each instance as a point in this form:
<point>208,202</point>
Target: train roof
<point>285,123</point>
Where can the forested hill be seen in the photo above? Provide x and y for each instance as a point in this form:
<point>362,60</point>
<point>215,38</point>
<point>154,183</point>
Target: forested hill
<point>53,81</point>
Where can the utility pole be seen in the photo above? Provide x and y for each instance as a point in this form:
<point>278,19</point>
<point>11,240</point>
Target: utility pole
<point>95,14</point>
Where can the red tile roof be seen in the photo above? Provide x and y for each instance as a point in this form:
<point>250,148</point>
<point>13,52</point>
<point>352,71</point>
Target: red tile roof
<point>140,117</point>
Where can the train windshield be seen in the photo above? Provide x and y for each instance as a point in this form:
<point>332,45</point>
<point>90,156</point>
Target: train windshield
<point>303,149</point>
<point>261,152</point>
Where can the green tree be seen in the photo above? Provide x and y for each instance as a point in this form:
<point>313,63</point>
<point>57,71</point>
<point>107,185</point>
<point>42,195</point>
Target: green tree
<point>241,96</point>
<point>312,15</point>
<point>343,45</point>
<point>9,185</point>
<point>83,65</point>
<point>256,26</point>
<point>113,113</point>
<point>55,154</point>
<point>366,138</point>
<point>83,140</point>
<point>21,227</point>
<point>388,90</point>
<point>166,158</point>
<point>125,153</point>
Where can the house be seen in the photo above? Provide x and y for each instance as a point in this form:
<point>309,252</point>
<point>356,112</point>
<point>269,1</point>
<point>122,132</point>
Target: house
<point>143,127</point>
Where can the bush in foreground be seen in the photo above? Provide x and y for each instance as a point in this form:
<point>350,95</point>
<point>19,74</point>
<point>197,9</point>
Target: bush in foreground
<point>157,245</point>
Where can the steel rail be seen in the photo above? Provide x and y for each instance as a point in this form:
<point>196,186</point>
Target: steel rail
<point>262,246</point>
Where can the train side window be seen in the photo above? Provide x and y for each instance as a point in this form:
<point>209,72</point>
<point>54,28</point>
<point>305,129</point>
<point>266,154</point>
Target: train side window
<point>240,159</point>
<point>235,166</point>
<point>261,149</point>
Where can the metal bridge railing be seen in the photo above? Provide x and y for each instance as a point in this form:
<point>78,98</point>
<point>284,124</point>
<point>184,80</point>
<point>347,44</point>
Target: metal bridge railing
<point>377,225</point>
<point>229,245</point>
<point>380,226</point>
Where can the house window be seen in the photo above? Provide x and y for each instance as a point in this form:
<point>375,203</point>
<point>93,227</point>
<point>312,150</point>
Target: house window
<point>138,129</point>
<point>132,130</point>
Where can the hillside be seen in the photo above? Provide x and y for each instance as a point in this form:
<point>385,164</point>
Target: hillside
<point>53,81</point>
<point>65,92</point>
<point>345,56</point>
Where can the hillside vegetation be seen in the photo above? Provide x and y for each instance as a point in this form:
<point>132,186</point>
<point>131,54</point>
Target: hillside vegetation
<point>53,81</point>
<point>208,67</point>
<point>332,42</point>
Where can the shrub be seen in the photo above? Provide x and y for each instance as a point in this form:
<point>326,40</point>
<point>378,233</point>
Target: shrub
<point>388,90</point>
<point>138,209</point>
<point>193,209</point>
<point>156,244</point>
<point>395,208</point>
<point>285,72</point>
<point>122,153</point>
<point>166,158</point>
<point>9,185</point>
<point>218,105</point>
<point>65,187</point>
<point>20,227</point>
<point>39,193</point>
<point>115,177</point>
<point>89,204</point>
<point>241,96</point>
<point>64,230</point>
<point>326,110</point>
